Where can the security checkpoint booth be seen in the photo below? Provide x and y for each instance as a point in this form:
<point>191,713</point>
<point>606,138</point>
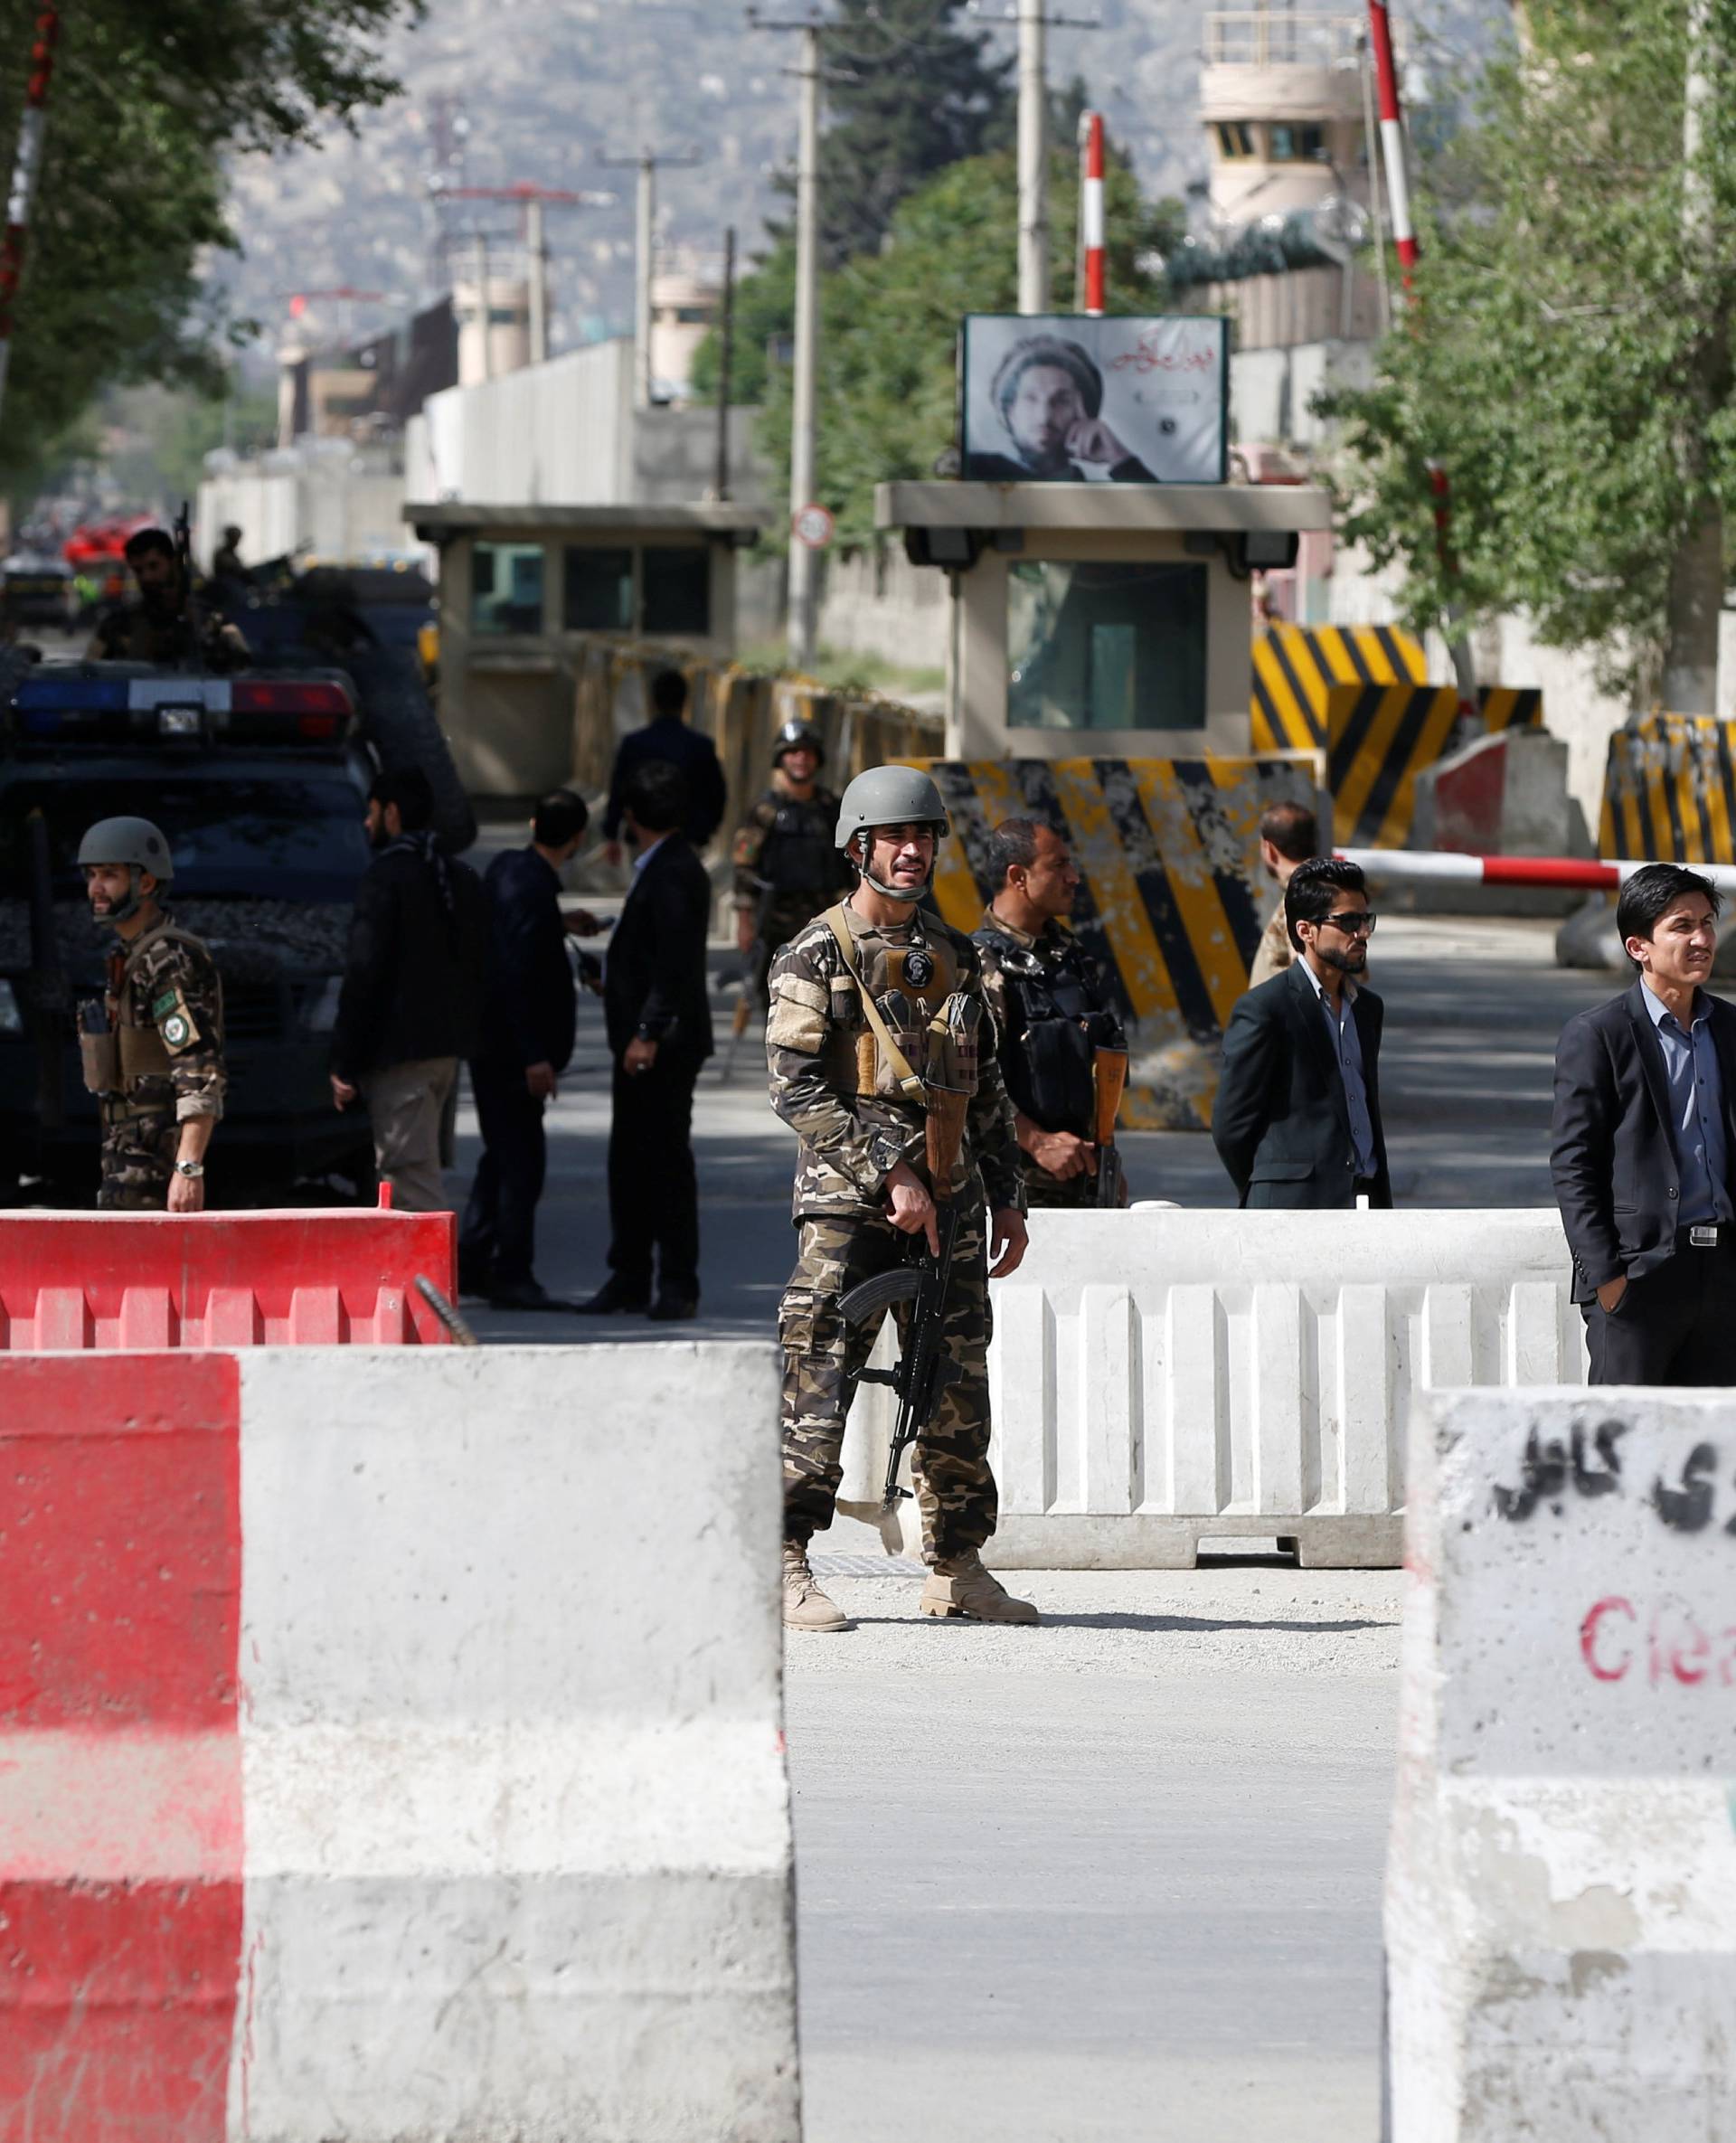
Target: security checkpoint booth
<point>1099,680</point>
<point>522,588</point>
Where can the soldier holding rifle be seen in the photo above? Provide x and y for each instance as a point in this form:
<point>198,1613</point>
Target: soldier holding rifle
<point>883,1061</point>
<point>1063,1052</point>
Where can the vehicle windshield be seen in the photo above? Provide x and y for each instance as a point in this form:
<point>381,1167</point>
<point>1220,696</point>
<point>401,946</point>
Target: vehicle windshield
<point>278,836</point>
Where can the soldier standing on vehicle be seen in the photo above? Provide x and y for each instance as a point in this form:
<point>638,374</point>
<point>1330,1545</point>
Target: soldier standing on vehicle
<point>786,864</point>
<point>153,1047</point>
<point>1053,1010</point>
<point>161,625</point>
<point>855,997</point>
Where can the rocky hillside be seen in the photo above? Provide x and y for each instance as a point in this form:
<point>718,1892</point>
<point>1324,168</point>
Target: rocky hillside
<point>498,91</point>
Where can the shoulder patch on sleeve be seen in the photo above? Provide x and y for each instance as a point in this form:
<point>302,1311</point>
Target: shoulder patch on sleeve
<point>798,1019</point>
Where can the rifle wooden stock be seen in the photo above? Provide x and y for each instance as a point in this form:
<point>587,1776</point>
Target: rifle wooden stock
<point>1109,1083</point>
<point>947,1109</point>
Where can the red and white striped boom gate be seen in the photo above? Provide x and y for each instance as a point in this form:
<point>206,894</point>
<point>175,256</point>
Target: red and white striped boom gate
<point>1586,873</point>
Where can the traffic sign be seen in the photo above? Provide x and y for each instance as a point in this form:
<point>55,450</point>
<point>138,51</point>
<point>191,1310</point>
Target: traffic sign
<point>811,525</point>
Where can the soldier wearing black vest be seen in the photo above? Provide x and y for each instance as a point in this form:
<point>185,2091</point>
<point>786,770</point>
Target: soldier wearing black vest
<point>786,864</point>
<point>1053,1007</point>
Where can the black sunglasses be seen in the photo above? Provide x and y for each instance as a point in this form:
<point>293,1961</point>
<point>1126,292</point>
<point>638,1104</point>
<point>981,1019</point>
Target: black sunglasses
<point>1353,923</point>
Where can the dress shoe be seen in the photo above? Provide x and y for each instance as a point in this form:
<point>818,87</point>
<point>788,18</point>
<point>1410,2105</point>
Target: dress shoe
<point>614,1300</point>
<point>475,1280</point>
<point>525,1294</point>
<point>669,1310</point>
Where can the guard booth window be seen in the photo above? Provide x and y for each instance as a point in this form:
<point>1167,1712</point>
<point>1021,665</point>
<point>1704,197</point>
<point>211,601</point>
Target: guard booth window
<point>505,587</point>
<point>600,590</point>
<point>1094,645</point>
<point>677,590</point>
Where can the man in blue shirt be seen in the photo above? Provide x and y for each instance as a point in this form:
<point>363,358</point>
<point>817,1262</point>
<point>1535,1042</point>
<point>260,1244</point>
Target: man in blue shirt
<point>1643,1141</point>
<point>528,1025</point>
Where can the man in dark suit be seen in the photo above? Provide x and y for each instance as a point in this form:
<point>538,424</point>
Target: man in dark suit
<point>1644,1142</point>
<point>659,1021</point>
<point>668,737</point>
<point>527,1036</point>
<point>1298,1120</point>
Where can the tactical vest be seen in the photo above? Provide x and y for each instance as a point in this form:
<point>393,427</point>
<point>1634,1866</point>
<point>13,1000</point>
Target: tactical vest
<point>1058,1025</point>
<point>931,1021</point>
<point>115,1063</point>
<point>800,856</point>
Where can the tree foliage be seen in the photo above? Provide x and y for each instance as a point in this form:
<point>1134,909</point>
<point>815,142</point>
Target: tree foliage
<point>147,102</point>
<point>1568,359</point>
<point>890,320</point>
<point>909,92</point>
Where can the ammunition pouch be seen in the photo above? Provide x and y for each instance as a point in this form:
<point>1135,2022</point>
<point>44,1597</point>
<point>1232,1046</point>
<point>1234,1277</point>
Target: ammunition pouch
<point>101,1056</point>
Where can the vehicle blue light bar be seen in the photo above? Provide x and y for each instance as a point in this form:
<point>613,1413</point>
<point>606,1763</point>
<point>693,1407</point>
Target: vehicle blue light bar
<point>96,695</point>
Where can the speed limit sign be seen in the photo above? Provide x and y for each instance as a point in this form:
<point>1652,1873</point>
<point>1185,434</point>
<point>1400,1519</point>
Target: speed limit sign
<point>811,525</point>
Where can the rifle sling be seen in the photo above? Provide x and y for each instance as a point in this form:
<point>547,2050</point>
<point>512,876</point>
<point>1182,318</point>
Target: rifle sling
<point>912,1086</point>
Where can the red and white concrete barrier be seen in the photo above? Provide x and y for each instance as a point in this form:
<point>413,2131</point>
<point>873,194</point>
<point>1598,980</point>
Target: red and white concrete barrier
<point>1561,1895</point>
<point>389,1748</point>
<point>1400,867</point>
<point>317,1278</point>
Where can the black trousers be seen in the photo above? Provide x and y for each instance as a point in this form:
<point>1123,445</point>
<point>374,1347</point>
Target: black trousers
<point>498,1236</point>
<point>652,1191</point>
<point>1673,1326</point>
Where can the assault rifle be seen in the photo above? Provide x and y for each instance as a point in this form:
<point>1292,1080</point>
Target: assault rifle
<point>1109,1077</point>
<point>923,1369</point>
<point>184,559</point>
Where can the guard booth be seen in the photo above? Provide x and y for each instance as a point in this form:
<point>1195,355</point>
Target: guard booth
<point>519,585</point>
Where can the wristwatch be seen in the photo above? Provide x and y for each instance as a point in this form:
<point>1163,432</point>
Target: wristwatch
<point>193,1168</point>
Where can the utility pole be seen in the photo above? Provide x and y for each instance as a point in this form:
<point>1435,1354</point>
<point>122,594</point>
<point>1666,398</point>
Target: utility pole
<point>647,164</point>
<point>480,271</point>
<point>804,558</point>
<point>725,364</point>
<point>1033,161</point>
<point>538,280</point>
<point>1697,582</point>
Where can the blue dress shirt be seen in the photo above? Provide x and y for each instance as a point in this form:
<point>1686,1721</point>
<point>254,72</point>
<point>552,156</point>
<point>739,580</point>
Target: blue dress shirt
<point>1696,1110</point>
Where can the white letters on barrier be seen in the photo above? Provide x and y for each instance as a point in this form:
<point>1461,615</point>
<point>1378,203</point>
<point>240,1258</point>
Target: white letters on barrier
<point>1560,1900</point>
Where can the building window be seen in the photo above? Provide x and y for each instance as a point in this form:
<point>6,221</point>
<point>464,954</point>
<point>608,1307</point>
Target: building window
<point>505,587</point>
<point>677,590</point>
<point>1101,646</point>
<point>1235,139</point>
<point>693,315</point>
<point>1297,144</point>
<point>598,594</point>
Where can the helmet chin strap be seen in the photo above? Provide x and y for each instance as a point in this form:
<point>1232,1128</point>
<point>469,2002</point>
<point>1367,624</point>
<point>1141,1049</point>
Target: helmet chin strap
<point>890,893</point>
<point>125,910</point>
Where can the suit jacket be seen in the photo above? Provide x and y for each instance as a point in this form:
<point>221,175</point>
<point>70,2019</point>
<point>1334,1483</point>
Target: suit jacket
<point>653,983</point>
<point>413,985</point>
<point>529,1013</point>
<point>1281,1121</point>
<point>1611,1156</point>
<point>670,738</point>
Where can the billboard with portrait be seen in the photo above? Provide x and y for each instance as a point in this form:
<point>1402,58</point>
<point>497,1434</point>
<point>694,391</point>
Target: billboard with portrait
<point>1061,398</point>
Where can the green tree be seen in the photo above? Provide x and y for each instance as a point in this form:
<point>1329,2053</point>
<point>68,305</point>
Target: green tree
<point>907,91</point>
<point>890,320</point>
<point>146,104</point>
<point>1568,361</point>
<point>764,322</point>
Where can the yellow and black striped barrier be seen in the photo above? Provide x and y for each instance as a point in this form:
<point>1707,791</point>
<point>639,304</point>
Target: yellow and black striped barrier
<point>1669,792</point>
<point>1174,896</point>
<point>1359,694</point>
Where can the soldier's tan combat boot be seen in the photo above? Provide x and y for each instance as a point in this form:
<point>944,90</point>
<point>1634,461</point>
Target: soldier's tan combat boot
<point>961,1586</point>
<point>806,1607</point>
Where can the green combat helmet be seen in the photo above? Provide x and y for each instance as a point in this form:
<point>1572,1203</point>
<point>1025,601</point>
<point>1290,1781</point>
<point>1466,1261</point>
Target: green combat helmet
<point>136,843</point>
<point>891,796</point>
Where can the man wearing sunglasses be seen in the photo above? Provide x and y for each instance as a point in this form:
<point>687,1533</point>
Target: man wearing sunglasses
<point>1297,1118</point>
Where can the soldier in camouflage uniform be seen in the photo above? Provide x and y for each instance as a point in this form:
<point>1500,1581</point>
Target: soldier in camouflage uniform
<point>1053,1009</point>
<point>861,1196</point>
<point>161,625</point>
<point>153,1047</point>
<point>786,864</point>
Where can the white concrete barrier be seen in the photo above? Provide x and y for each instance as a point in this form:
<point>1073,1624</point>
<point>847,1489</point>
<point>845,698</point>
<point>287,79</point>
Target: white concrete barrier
<point>1560,1896</point>
<point>1164,1378</point>
<point>392,1748</point>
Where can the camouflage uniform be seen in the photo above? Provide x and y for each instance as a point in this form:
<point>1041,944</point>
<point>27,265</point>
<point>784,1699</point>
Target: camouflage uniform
<point>141,631</point>
<point>830,1085</point>
<point>787,869</point>
<point>159,1062</point>
<point>1060,974</point>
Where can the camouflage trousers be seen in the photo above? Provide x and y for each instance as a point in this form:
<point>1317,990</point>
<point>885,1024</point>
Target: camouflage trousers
<point>138,1161</point>
<point>823,1357</point>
